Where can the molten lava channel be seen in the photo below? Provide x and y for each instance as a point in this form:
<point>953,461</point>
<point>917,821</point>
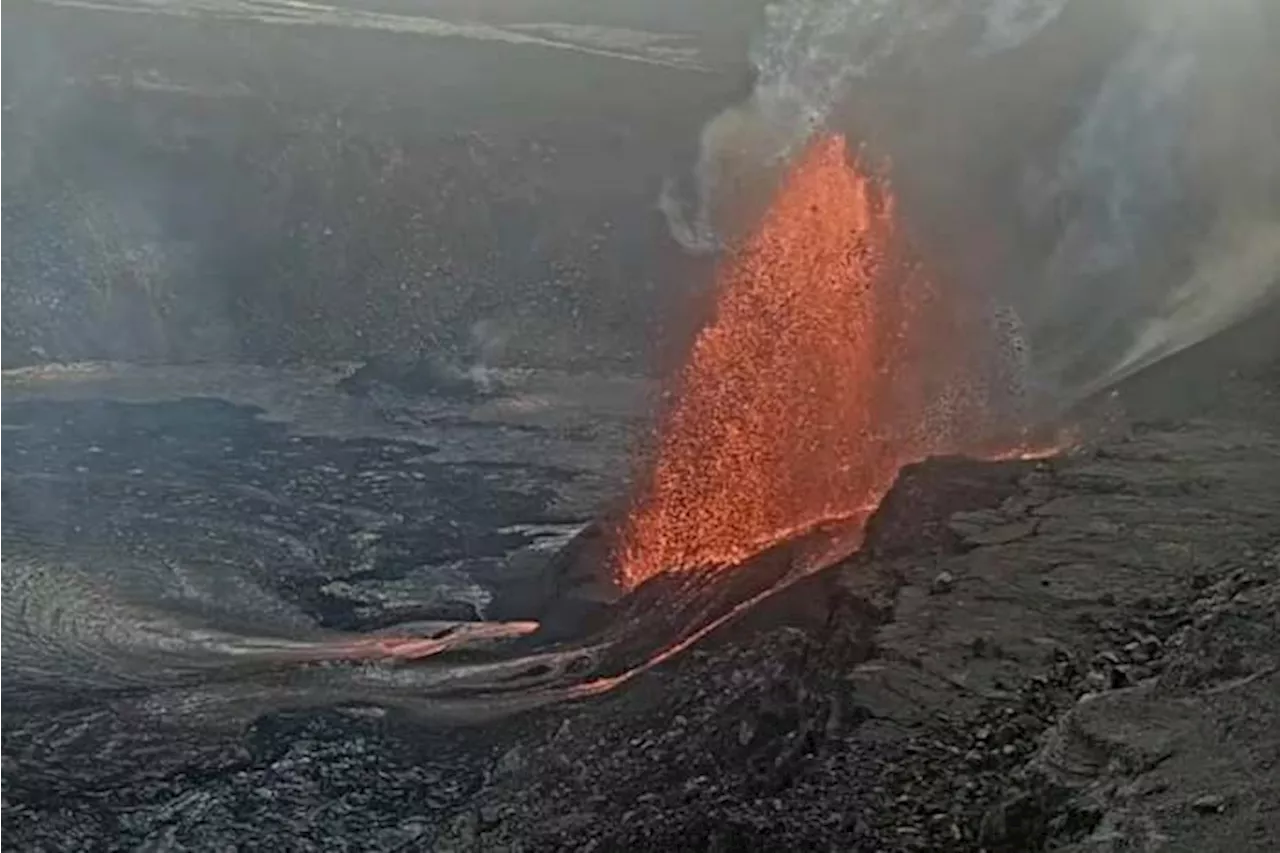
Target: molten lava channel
<point>830,362</point>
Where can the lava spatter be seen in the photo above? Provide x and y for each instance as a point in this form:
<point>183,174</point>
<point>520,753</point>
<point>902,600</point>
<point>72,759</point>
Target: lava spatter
<point>829,362</point>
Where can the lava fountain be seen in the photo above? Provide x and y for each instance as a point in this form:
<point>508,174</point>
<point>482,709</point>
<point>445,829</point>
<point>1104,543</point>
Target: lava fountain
<point>830,361</point>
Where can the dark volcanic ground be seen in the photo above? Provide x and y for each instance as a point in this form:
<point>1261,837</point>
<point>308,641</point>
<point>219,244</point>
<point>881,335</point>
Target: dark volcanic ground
<point>1078,653</point>
<point>203,565</point>
<point>143,527</point>
<point>1073,654</point>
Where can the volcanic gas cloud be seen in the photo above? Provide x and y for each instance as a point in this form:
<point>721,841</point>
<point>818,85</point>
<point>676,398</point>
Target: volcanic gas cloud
<point>830,361</point>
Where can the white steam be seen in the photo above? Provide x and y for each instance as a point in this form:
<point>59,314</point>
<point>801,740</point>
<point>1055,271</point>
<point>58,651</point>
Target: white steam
<point>1172,236</point>
<point>807,56</point>
<point>1157,183</point>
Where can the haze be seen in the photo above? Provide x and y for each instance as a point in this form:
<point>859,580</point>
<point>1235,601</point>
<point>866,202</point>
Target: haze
<point>282,182</point>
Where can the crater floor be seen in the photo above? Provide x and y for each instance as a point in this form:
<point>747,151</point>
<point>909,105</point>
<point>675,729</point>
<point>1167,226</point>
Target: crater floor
<point>1077,653</point>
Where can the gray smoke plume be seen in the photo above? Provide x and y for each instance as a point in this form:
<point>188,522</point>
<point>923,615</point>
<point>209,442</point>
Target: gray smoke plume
<point>808,55</point>
<point>1171,176</point>
<point>1125,156</point>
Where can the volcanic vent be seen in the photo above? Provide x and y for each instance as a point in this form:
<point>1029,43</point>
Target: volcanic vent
<point>831,360</point>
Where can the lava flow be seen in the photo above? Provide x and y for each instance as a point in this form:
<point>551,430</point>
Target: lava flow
<point>830,362</point>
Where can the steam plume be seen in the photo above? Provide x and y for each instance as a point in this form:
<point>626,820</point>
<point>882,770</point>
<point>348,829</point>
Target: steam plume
<point>1133,188</point>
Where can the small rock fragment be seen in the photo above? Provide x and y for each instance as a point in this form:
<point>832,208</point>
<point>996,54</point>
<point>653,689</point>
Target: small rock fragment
<point>1097,681</point>
<point>1136,653</point>
<point>1209,804</point>
<point>1002,534</point>
<point>512,761</point>
<point>942,583</point>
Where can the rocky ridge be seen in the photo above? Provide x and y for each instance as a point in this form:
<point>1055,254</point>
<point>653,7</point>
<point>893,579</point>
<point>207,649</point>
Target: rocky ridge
<point>1079,654</point>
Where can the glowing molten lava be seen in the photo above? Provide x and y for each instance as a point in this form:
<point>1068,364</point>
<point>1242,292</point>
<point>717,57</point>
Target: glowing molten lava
<point>828,364</point>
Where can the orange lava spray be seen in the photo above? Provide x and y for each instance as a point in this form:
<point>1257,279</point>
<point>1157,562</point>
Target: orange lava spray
<point>830,362</point>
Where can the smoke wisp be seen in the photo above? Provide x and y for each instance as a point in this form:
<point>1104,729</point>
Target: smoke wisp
<point>1115,166</point>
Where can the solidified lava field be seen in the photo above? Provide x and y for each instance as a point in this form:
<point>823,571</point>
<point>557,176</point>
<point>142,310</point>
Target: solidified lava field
<point>1031,654</point>
<point>1024,654</point>
<point>850,577</point>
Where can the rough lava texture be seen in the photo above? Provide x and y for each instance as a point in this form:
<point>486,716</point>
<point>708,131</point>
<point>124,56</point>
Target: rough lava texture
<point>1073,654</point>
<point>1077,653</point>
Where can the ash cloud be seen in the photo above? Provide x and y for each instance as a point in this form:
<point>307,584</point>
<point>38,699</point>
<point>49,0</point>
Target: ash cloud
<point>1109,171</point>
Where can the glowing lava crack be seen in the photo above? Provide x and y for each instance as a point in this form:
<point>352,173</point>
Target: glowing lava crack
<point>830,362</point>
